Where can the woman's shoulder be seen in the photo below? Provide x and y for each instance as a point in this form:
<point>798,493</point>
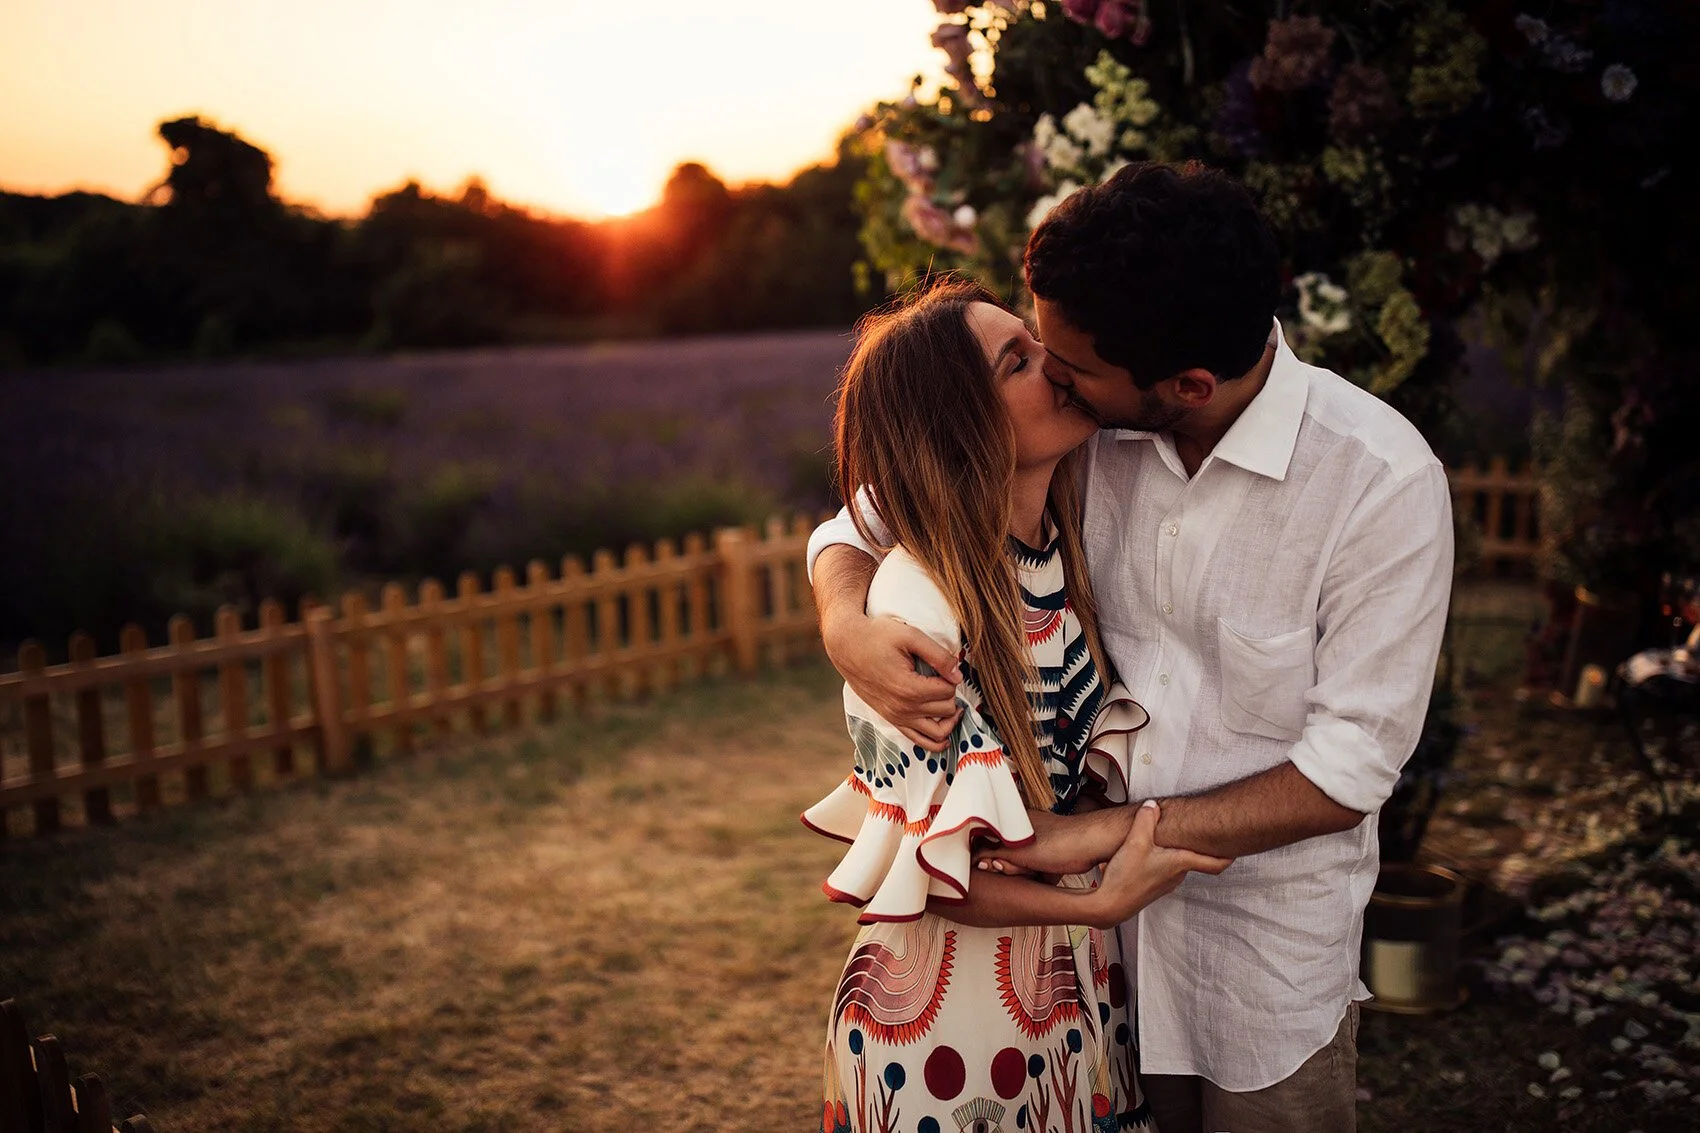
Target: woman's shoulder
<point>902,588</point>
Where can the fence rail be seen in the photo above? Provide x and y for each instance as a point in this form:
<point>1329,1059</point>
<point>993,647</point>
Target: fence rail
<point>1505,506</point>
<point>234,711</point>
<point>96,736</point>
<point>37,1093</point>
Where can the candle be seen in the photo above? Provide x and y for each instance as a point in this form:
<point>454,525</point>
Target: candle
<point>1591,688</point>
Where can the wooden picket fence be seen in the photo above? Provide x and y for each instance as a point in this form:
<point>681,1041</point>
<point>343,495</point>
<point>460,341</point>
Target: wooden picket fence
<point>37,1093</point>
<point>101,736</point>
<point>1506,508</point>
<point>336,683</point>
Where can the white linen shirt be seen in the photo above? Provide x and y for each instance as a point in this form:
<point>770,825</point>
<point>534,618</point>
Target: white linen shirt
<point>1284,603</point>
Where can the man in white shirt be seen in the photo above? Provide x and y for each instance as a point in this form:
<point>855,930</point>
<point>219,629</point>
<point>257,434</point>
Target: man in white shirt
<point>1271,552</point>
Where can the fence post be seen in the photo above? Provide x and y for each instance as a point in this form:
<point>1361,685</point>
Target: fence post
<point>53,1077</point>
<point>186,691</point>
<point>38,737</point>
<point>20,1097</point>
<point>94,1108</point>
<point>233,696</point>
<point>394,604</point>
<point>138,699</point>
<point>542,627</point>
<point>274,675</point>
<point>334,755</point>
<point>738,588</point>
<point>91,734</point>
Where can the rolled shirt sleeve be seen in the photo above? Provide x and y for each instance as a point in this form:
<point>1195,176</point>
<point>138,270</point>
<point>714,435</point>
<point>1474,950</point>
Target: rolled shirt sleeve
<point>842,529</point>
<point>1380,619</point>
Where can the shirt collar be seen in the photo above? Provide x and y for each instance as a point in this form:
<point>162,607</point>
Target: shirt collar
<point>1262,439</point>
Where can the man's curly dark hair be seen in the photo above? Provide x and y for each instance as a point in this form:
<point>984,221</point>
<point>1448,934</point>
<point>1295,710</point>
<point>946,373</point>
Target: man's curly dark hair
<point>1166,267</point>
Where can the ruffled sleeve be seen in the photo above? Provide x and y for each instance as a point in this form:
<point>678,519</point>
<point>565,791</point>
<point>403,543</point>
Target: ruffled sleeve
<point>1109,742</point>
<point>911,815</point>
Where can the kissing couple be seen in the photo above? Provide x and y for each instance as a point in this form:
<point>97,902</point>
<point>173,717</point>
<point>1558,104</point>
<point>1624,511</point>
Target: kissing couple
<point>1138,616</point>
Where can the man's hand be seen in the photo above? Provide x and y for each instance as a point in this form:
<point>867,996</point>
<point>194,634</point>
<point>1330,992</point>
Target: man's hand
<point>877,656</point>
<point>1142,871</point>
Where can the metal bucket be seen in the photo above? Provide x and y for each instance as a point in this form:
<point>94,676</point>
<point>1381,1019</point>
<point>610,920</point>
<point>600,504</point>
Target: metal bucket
<point>1412,930</point>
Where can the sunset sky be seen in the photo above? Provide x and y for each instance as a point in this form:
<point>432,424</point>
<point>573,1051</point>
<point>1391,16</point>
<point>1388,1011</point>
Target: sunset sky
<point>571,106</point>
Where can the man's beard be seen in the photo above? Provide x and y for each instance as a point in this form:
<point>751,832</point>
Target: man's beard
<point>1152,416</point>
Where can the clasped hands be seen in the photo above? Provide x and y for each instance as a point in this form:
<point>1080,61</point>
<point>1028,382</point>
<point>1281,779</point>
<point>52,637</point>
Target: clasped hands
<point>1136,870</point>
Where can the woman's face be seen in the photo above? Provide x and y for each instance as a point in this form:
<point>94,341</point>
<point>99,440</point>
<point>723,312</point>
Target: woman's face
<point>1047,427</point>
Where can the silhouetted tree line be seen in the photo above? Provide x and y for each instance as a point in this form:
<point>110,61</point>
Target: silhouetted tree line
<point>213,263</point>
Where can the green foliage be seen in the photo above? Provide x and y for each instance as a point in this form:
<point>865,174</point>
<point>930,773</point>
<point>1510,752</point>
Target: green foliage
<point>1431,168</point>
<point>240,550</point>
<point>111,343</point>
<point>375,408</point>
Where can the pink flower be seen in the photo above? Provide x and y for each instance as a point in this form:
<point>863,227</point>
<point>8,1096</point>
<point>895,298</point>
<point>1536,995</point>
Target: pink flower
<point>1295,56</point>
<point>1080,11</point>
<point>1362,104</point>
<point>909,165</point>
<point>952,39</point>
<point>1112,19</point>
<point>935,226</point>
<point>951,7</point>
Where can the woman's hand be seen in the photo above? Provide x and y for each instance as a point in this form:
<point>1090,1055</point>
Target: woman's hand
<point>876,657</point>
<point>1071,843</point>
<point>1142,871</point>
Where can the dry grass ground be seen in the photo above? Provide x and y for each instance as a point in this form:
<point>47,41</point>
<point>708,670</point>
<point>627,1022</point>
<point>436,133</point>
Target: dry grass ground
<point>610,924</point>
<point>613,923</point>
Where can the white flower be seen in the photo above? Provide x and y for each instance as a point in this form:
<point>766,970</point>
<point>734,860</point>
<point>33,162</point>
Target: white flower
<point>1322,304</point>
<point>1534,30</point>
<point>929,159</point>
<point>1618,82</point>
<point>1518,232</point>
<point>1043,206</point>
<point>1044,131</point>
<point>1086,127</point>
<point>1548,1060</point>
<point>965,217</point>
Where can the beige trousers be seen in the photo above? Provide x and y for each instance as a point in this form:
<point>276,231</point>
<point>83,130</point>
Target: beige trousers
<point>1318,1097</point>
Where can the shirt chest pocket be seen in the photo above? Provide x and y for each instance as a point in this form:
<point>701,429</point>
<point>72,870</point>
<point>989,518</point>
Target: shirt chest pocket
<point>1264,681</point>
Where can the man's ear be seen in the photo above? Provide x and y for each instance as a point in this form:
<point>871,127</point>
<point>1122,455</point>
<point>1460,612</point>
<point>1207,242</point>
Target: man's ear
<point>1193,388</point>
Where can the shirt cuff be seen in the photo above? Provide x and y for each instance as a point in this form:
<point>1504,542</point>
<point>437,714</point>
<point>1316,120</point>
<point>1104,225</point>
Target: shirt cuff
<point>1343,762</point>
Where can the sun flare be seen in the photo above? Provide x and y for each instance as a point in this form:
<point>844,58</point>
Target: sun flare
<point>614,192</point>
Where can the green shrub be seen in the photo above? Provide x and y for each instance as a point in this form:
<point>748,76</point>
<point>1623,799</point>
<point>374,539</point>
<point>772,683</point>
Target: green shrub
<point>240,550</point>
<point>379,408</point>
<point>110,343</point>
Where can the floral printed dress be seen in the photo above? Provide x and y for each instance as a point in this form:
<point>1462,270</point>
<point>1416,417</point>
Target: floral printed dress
<point>939,1027</point>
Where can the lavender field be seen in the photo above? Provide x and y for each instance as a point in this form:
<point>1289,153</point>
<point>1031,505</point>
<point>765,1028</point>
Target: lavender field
<point>131,494</point>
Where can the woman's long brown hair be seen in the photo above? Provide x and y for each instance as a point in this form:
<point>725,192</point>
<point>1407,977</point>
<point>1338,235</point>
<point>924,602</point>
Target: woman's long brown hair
<point>921,423</point>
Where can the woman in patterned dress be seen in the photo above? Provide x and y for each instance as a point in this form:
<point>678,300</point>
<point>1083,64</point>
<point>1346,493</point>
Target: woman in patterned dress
<point>972,1000</point>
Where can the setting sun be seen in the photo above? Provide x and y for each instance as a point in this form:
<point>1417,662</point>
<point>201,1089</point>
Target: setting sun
<point>577,107</point>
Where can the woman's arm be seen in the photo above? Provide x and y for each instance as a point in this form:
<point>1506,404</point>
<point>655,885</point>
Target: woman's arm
<point>1139,872</point>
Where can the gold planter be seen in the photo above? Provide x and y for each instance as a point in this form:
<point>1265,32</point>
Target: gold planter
<point>1411,937</point>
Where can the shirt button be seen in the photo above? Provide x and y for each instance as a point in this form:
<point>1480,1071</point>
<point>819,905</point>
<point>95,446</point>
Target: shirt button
<point>1146,758</point>
<point>1174,529</point>
<point>1168,607</point>
<point>1163,679</point>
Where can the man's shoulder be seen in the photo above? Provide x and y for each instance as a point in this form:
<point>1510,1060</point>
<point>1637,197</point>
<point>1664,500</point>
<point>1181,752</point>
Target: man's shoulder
<point>1346,413</point>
